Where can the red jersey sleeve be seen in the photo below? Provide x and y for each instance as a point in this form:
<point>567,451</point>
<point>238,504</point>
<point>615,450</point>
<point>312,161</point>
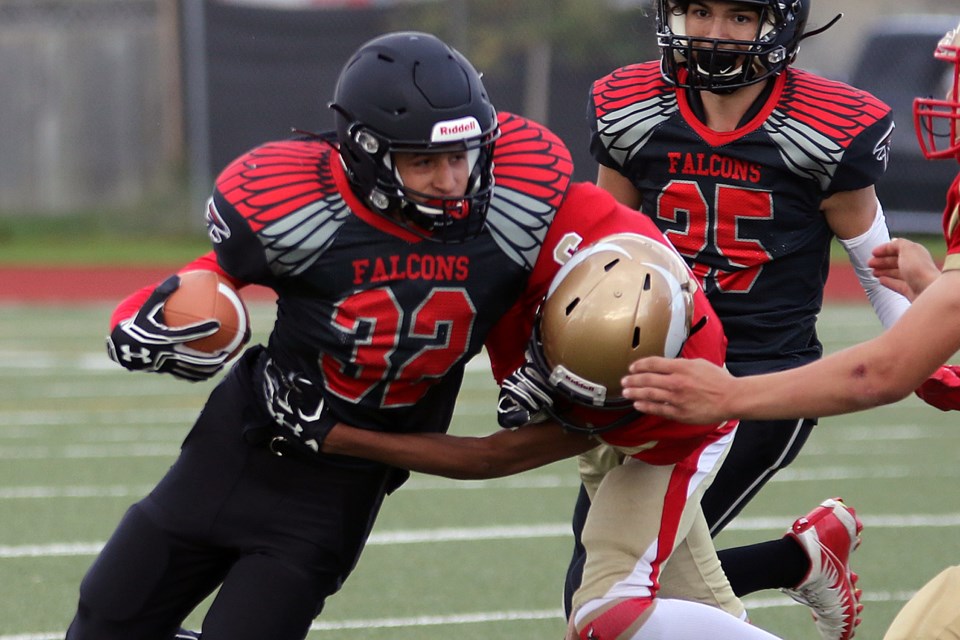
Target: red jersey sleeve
<point>951,226</point>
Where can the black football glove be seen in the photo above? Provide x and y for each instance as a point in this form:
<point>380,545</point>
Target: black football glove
<point>296,404</point>
<point>523,395</point>
<point>145,343</point>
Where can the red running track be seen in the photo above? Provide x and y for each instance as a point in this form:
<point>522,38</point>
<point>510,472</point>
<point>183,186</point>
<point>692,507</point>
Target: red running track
<point>55,285</point>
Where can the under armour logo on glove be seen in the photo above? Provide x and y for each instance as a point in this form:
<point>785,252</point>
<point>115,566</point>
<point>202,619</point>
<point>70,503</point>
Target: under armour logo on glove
<point>145,343</point>
<point>523,396</point>
<point>127,354</point>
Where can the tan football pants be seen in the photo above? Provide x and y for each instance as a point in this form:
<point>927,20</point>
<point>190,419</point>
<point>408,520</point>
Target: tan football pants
<point>933,613</point>
<point>629,502</point>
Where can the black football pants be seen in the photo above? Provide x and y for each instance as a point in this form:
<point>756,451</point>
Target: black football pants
<point>277,536</point>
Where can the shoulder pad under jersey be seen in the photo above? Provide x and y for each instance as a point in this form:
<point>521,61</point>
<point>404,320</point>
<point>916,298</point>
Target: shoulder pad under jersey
<point>532,169</point>
<point>283,195</point>
<point>818,124</point>
<point>628,105</point>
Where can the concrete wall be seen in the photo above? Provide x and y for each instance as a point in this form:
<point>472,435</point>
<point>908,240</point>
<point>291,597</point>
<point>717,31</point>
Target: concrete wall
<point>85,109</point>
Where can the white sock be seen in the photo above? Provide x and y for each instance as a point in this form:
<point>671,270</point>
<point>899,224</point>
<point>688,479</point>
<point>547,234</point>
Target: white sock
<point>684,620</point>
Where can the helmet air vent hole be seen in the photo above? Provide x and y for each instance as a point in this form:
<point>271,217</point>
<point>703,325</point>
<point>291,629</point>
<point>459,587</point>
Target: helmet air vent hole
<point>636,337</point>
<point>385,57</point>
<point>646,282</point>
<point>573,305</point>
<point>610,265</point>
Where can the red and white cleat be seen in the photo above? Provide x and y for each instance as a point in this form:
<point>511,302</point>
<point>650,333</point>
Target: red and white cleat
<point>829,534</point>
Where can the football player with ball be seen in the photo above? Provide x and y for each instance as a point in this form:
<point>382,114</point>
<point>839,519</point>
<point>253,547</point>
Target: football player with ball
<point>427,227</point>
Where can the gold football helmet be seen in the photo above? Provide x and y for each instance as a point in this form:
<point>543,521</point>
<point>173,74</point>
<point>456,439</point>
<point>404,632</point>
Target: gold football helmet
<point>622,298</point>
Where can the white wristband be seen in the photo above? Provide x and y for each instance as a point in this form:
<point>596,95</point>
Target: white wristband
<point>887,304</point>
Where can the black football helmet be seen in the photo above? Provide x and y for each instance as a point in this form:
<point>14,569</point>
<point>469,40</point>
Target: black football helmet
<point>721,66</point>
<point>411,92</point>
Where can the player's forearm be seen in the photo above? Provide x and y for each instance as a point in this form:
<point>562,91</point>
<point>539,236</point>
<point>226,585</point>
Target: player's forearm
<point>874,373</point>
<point>879,371</point>
<point>465,458</point>
<point>841,384</point>
<point>887,304</point>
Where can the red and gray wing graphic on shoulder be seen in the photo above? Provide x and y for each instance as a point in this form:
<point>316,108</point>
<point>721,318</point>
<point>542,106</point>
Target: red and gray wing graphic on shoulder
<point>817,120</point>
<point>532,168</point>
<point>630,104</point>
<point>286,194</point>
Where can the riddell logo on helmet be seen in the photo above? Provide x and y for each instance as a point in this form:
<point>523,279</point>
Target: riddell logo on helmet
<point>452,130</point>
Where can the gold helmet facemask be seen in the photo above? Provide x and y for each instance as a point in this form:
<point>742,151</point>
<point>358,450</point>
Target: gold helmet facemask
<point>622,298</point>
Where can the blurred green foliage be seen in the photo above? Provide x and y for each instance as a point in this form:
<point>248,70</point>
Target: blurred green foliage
<point>160,230</point>
<point>585,33</point>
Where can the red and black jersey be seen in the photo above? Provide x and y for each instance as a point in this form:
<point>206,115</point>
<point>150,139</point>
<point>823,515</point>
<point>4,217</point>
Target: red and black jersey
<point>382,320</point>
<point>951,226</point>
<point>588,214</point>
<point>743,207</point>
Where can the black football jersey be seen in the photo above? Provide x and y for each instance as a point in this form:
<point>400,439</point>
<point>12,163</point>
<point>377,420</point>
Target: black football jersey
<point>743,207</point>
<point>380,319</point>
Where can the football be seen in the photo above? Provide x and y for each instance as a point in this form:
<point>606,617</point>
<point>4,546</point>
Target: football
<point>205,295</point>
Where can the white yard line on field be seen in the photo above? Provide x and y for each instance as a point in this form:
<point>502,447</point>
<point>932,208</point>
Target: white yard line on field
<point>506,532</point>
<point>482,617</point>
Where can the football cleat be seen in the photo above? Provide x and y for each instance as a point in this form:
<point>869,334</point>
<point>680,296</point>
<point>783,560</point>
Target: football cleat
<point>186,634</point>
<point>828,535</point>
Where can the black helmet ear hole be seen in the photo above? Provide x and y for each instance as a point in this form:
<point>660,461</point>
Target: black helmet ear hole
<point>366,140</point>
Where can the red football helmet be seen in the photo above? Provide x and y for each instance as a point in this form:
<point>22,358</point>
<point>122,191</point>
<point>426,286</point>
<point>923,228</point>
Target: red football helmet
<point>937,121</point>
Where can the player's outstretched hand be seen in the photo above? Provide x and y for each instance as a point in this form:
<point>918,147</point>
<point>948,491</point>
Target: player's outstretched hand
<point>523,396</point>
<point>690,391</point>
<point>904,266</point>
<point>145,343</point>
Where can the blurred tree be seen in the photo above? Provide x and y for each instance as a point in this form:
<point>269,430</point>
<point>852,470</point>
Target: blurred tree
<point>583,32</point>
<point>531,39</point>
